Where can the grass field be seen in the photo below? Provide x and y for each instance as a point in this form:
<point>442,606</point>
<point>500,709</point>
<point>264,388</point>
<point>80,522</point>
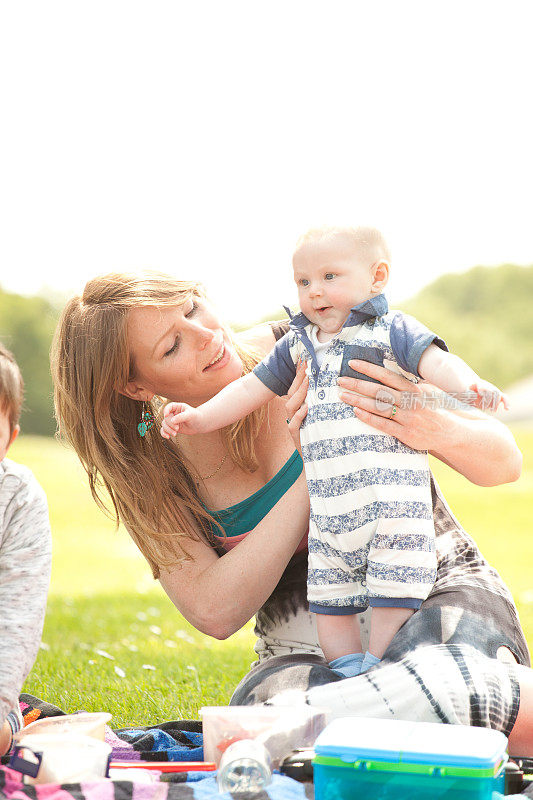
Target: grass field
<point>113,641</point>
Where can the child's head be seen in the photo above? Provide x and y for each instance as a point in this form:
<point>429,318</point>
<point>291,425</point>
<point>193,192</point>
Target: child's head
<point>336,269</point>
<point>11,395</point>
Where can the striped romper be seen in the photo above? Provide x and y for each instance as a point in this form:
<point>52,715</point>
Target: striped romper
<point>371,533</point>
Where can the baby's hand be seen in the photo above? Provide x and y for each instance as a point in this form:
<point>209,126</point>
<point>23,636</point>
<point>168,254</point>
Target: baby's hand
<point>488,397</point>
<point>180,418</point>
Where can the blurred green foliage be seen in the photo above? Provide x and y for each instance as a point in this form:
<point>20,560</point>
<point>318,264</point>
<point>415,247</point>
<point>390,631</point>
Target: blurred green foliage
<point>485,316</point>
<point>26,328</point>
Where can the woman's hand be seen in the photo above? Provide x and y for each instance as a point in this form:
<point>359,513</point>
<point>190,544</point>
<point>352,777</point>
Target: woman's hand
<point>479,447</point>
<point>410,412</point>
<point>295,405</point>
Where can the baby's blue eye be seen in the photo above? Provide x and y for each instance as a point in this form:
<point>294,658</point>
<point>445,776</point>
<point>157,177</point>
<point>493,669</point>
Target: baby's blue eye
<point>303,282</point>
<point>329,276</point>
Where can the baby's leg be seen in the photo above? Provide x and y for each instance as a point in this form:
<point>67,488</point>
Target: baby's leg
<point>401,564</point>
<point>338,635</point>
<point>340,640</point>
<point>385,624</point>
<point>336,598</point>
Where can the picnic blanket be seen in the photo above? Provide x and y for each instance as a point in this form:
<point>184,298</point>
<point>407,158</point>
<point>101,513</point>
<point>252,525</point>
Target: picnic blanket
<point>180,740</point>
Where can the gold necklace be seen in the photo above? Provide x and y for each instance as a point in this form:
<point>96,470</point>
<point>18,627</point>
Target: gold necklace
<point>206,477</point>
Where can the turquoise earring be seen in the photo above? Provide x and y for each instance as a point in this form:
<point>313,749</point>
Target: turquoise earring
<point>147,420</point>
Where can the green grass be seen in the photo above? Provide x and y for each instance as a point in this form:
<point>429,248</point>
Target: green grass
<point>135,657</point>
<point>103,598</point>
<point>499,519</point>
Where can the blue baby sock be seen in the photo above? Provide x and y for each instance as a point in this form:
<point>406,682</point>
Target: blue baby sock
<point>347,666</point>
<point>369,661</point>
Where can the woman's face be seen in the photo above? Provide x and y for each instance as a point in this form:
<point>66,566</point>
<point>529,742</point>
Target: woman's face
<point>180,352</point>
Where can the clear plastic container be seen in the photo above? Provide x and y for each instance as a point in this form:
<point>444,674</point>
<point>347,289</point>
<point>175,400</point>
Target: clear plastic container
<point>281,729</point>
<point>86,723</point>
<point>246,766</point>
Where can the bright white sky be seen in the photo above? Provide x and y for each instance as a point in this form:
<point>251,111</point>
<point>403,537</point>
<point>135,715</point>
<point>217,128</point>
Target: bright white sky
<point>202,138</point>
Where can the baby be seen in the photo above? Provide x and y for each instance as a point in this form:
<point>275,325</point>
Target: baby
<point>371,535</point>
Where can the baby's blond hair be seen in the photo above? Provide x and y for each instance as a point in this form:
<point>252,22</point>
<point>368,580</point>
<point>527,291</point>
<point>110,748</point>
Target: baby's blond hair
<point>370,243</point>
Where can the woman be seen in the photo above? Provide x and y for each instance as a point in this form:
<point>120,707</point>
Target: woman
<point>130,340</point>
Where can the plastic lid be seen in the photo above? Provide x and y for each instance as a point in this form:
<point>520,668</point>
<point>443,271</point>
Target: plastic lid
<point>356,738</point>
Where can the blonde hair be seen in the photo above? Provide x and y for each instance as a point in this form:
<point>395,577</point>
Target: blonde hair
<point>147,480</point>
<point>369,242</point>
<point>11,387</point>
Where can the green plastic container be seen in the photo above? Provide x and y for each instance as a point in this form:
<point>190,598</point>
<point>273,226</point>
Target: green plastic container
<point>375,759</point>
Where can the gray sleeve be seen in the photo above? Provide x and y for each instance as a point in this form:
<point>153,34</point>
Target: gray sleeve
<point>25,564</point>
<point>277,370</point>
<point>408,339</point>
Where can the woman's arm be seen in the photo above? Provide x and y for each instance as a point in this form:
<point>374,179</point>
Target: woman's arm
<point>479,447</point>
<point>219,595</point>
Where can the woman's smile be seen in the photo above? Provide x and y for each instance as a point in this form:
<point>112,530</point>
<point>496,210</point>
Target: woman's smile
<point>220,360</point>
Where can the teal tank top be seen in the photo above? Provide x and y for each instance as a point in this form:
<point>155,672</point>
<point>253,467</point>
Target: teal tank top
<point>244,516</point>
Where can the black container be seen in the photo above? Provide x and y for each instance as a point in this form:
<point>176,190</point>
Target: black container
<point>299,765</point>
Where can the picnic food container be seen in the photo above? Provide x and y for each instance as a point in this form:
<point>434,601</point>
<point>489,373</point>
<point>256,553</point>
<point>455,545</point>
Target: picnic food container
<point>86,723</point>
<point>372,758</point>
<point>60,758</point>
<point>281,729</point>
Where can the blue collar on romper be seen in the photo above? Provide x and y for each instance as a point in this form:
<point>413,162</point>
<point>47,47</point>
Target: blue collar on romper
<point>368,309</point>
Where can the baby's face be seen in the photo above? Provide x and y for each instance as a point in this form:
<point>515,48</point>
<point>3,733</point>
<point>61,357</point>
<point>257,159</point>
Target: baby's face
<point>331,278</point>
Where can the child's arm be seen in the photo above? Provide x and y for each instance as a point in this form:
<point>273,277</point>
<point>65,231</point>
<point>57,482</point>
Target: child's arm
<point>451,374</point>
<point>234,402</point>
<point>25,562</point>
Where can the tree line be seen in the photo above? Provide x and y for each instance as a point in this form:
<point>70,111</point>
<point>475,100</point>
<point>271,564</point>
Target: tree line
<point>484,315</point>
<point>27,325</point>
